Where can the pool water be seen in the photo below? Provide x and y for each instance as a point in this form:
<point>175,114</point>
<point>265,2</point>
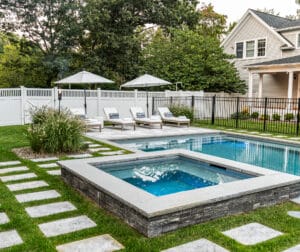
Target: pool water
<point>279,157</point>
<point>162,176</point>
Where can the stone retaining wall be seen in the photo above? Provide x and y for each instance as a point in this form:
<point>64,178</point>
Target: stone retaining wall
<point>155,226</point>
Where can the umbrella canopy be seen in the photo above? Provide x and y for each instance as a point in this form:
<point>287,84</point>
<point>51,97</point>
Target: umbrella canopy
<point>84,77</point>
<point>146,80</point>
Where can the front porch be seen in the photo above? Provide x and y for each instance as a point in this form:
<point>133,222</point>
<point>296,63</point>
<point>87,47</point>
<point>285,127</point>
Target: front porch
<point>276,79</point>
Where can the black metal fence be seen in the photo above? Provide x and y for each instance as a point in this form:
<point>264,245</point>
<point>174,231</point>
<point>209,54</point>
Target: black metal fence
<point>278,115</point>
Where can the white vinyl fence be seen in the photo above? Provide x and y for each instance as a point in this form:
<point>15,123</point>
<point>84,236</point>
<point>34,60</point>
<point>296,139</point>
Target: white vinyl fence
<point>16,103</point>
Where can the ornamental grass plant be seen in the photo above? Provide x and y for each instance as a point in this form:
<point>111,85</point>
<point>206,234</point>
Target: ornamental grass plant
<point>52,131</point>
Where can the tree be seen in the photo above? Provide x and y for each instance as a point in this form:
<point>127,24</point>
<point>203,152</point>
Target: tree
<point>111,42</point>
<point>52,26</point>
<point>211,23</point>
<point>20,63</point>
<point>195,60</point>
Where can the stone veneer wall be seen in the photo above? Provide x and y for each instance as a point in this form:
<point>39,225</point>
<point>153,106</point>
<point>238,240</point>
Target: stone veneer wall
<point>155,226</point>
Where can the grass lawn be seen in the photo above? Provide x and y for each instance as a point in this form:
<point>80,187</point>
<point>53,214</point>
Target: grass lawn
<point>14,136</point>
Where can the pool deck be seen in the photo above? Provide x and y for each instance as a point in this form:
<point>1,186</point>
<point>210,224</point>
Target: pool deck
<point>110,133</point>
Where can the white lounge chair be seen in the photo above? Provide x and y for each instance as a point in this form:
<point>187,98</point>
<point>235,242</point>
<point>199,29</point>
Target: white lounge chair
<point>139,116</point>
<point>113,117</point>
<point>94,122</point>
<point>168,117</point>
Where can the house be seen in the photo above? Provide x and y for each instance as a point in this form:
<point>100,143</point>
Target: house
<point>267,54</point>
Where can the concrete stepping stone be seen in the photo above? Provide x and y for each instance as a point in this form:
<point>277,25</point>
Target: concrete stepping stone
<point>295,214</point>
<point>9,163</point>
<point>50,209</point>
<point>9,239</point>
<point>54,172</point>
<point>87,142</point>
<point>3,218</point>
<point>26,185</point>
<point>65,226</point>
<point>101,243</point>
<point>296,200</point>
<point>100,149</point>
<point>111,153</point>
<point>252,233</point>
<point>35,196</point>
<point>295,138</point>
<point>13,169</point>
<point>94,145</point>
<point>46,166</point>
<point>293,249</point>
<point>17,177</point>
<point>40,160</point>
<point>265,134</point>
<point>254,132</point>
<point>279,136</point>
<point>85,155</point>
<point>197,246</point>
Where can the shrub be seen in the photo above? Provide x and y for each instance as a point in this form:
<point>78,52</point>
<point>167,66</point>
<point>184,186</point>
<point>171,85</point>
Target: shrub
<point>289,116</point>
<point>255,115</point>
<point>39,115</point>
<point>55,132</point>
<point>276,117</point>
<point>264,117</point>
<point>182,111</point>
<point>240,115</point>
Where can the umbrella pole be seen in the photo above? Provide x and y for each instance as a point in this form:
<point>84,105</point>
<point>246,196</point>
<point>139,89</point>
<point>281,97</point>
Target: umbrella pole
<point>147,102</point>
<point>85,106</point>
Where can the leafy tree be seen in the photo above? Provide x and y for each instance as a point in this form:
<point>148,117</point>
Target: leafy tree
<point>51,25</point>
<point>111,42</point>
<point>20,63</point>
<point>195,60</point>
<point>211,23</point>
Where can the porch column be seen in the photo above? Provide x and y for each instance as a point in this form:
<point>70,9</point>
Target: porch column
<point>250,85</point>
<point>290,87</point>
<point>260,85</point>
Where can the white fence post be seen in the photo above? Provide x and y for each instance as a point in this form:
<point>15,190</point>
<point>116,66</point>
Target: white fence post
<point>23,104</point>
<point>98,100</point>
<point>135,96</point>
<point>53,97</point>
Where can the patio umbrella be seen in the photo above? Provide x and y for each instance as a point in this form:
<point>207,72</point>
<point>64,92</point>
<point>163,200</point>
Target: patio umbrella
<point>85,78</point>
<point>146,81</point>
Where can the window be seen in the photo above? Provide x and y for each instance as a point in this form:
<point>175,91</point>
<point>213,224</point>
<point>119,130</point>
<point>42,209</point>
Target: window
<point>250,46</point>
<point>298,40</point>
<point>261,47</point>
<point>239,50</point>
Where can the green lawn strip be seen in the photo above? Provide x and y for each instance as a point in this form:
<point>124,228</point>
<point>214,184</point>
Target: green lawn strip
<point>275,217</point>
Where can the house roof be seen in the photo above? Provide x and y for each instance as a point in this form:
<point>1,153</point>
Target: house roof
<point>282,61</point>
<point>276,22</point>
<point>272,22</point>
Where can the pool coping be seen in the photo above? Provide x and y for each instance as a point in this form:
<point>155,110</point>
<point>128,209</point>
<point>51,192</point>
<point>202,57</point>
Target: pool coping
<point>151,206</point>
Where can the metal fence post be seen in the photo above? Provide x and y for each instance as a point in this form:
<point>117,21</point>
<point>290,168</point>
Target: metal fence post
<point>213,107</point>
<point>298,117</point>
<point>265,114</point>
<point>237,112</point>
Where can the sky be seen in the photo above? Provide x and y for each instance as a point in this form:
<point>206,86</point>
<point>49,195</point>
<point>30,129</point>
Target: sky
<point>235,9</point>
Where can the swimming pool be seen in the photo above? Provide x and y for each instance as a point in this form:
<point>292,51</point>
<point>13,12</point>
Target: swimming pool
<point>274,156</point>
<point>162,176</point>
